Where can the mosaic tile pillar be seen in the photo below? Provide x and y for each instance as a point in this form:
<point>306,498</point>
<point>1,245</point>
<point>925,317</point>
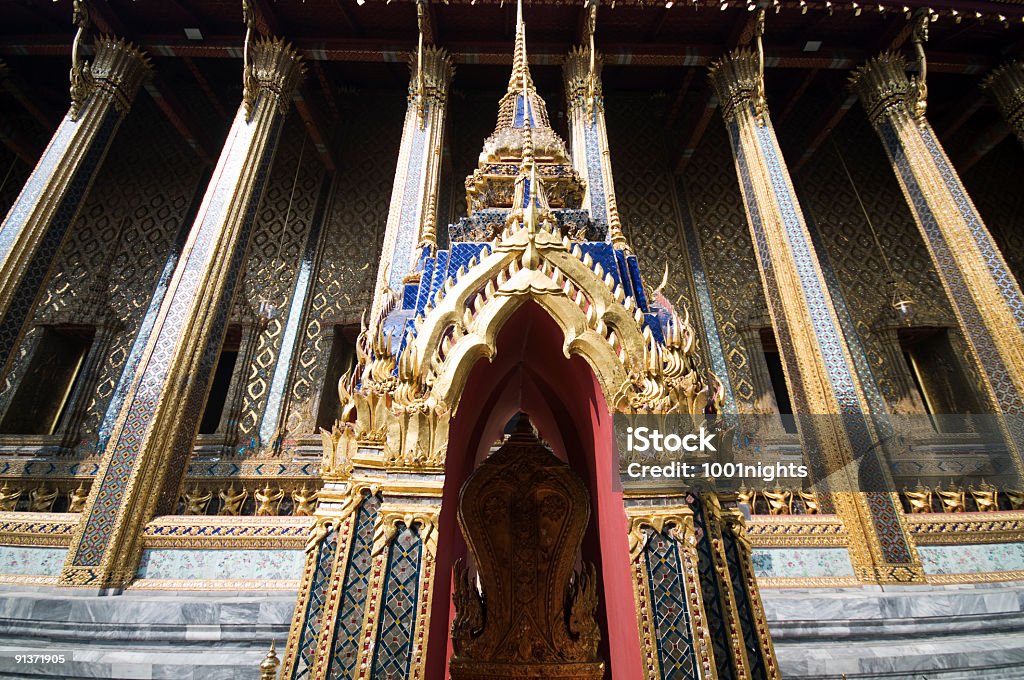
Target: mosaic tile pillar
<point>36,224</point>
<point>147,449</point>
<point>589,140</point>
<point>676,635</point>
<point>1006,86</point>
<point>393,642</point>
<point>412,218</point>
<point>328,621</point>
<point>981,288</point>
<point>835,421</point>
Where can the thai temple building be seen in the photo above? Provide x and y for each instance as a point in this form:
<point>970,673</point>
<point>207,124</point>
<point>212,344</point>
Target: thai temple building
<point>328,330</point>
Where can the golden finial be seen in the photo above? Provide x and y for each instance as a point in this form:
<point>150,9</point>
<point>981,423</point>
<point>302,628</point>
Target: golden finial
<point>270,663</point>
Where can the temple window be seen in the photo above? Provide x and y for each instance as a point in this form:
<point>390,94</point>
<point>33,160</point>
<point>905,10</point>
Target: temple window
<point>44,392</point>
<point>221,387</point>
<point>341,360</point>
<point>770,349</point>
<point>938,375</point>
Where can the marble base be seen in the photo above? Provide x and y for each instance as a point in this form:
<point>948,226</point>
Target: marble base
<point>899,633</point>
<point>180,635</point>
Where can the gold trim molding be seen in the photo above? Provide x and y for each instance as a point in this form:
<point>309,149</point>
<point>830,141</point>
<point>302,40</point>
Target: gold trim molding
<point>212,533</point>
<point>1005,526</point>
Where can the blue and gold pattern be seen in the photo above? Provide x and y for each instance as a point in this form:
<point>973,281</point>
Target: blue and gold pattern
<point>393,653</point>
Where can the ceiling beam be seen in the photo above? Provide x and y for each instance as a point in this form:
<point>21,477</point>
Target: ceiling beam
<point>955,119</point>
<point>893,37</point>
<point>499,53</point>
<point>105,19</point>
<point>841,103</point>
<point>267,22</point>
<point>204,85</point>
<point>14,139</point>
<point>797,94</point>
<point>677,101</point>
<point>48,120</point>
<point>981,145</point>
<point>179,117</point>
<point>325,87</point>
<point>315,127</point>
<point>347,17</point>
<point>704,116</point>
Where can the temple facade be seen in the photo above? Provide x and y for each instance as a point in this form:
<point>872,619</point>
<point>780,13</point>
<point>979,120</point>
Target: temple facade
<point>322,325</point>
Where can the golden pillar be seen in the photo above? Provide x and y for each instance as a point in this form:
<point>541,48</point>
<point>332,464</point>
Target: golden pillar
<point>837,427</point>
<point>145,456</point>
<point>589,139</point>
<point>1006,86</point>
<point>412,218</point>
<point>36,224</point>
<point>985,296</point>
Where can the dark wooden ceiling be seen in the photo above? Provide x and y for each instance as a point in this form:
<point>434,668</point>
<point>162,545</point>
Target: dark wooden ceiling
<point>648,47</point>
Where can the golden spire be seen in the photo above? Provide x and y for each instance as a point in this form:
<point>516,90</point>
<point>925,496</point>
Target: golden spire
<point>520,81</point>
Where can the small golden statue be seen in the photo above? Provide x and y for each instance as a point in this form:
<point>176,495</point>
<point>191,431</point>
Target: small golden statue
<point>304,501</point>
<point>986,497</point>
<point>779,500</point>
<point>41,498</point>
<point>196,501</point>
<point>748,496</point>
<point>9,496</point>
<point>1015,497</point>
<point>231,502</point>
<point>920,499</point>
<point>269,500</point>
<point>953,499</point>
<point>810,501</point>
<point>77,498</point>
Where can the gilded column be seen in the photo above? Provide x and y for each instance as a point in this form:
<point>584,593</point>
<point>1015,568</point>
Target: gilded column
<point>1006,86</point>
<point>836,426</point>
<point>589,139</point>
<point>984,294</point>
<point>37,222</point>
<point>148,447</point>
<point>411,225</point>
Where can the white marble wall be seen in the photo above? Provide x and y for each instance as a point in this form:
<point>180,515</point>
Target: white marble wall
<point>24,561</point>
<point>214,565</point>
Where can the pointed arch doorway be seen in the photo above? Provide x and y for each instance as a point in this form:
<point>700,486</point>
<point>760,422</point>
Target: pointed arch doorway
<point>531,374</point>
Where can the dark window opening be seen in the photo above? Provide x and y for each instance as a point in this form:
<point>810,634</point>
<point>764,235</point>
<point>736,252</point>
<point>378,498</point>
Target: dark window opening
<point>778,378</point>
<point>938,376</point>
<point>221,387</point>
<point>340,362</point>
<point>43,395</point>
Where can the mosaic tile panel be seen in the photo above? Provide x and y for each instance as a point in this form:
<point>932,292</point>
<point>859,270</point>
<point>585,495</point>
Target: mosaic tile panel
<point>744,607</point>
<point>713,605</point>
<point>734,285</point>
<point>23,561</point>
<point>846,242</point>
<point>215,565</point>
<point>393,653</point>
<point>353,232</point>
<point>349,622</point>
<point>318,590</point>
<point>274,267</point>
<point>972,559</point>
<point>994,185</point>
<point>139,409</point>
<point>43,258</point>
<point>648,205</point>
<point>995,369</point>
<point>131,226</point>
<point>296,314</point>
<point>670,609</point>
<point>801,562</point>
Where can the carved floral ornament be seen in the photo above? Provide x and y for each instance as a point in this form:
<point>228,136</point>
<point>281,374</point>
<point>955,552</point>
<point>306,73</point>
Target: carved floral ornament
<point>396,410</point>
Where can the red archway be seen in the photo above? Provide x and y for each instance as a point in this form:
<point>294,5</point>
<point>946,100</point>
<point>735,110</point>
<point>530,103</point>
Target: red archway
<point>564,400</point>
